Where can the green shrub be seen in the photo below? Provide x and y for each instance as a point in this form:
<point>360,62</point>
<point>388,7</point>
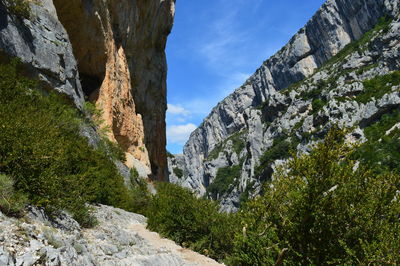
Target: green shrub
<point>237,142</point>
<point>41,148</point>
<point>224,180</point>
<point>381,151</point>
<point>175,212</point>
<point>19,7</point>
<point>94,118</point>
<point>378,86</point>
<point>317,104</point>
<point>139,195</point>
<point>257,242</point>
<point>178,172</point>
<point>280,149</point>
<point>11,202</point>
<point>323,211</point>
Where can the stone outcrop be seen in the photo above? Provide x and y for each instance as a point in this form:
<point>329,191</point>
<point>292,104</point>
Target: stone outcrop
<point>109,52</point>
<point>43,46</point>
<point>264,108</point>
<point>120,238</point>
<point>119,46</point>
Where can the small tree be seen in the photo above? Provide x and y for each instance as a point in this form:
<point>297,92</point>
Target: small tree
<point>325,210</point>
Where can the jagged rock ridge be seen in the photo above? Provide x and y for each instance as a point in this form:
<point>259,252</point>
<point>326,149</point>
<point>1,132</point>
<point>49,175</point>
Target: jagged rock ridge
<point>244,125</point>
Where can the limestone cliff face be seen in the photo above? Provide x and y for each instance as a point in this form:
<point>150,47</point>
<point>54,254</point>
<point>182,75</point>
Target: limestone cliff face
<point>43,46</point>
<point>119,46</point>
<point>244,125</point>
<point>109,52</point>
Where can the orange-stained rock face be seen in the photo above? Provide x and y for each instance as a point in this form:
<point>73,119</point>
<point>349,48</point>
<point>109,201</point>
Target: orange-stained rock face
<point>115,99</point>
<point>120,49</point>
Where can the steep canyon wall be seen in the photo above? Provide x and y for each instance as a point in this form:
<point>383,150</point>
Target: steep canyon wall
<point>111,53</point>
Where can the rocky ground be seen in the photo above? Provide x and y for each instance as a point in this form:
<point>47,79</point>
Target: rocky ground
<point>120,238</point>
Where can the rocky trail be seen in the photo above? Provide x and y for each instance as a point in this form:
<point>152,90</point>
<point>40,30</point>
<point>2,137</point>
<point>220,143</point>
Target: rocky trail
<point>120,238</point>
<point>156,241</point>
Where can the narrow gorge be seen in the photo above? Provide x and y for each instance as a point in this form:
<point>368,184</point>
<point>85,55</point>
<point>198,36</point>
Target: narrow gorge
<point>297,166</point>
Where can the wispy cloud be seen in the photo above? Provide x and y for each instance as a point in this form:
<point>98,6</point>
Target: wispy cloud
<point>219,46</point>
<point>177,110</point>
<point>179,134</point>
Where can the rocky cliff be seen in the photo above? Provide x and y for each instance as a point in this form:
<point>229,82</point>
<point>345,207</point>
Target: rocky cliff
<point>309,84</point>
<point>108,52</point>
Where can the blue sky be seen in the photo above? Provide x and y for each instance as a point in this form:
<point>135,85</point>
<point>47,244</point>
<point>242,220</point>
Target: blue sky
<point>215,46</point>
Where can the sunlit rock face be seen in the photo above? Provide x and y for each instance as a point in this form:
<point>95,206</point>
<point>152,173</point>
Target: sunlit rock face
<point>111,53</point>
<point>244,125</point>
<point>120,49</point>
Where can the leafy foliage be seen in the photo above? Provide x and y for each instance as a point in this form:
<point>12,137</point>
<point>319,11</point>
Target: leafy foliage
<point>223,181</point>
<point>178,172</point>
<point>11,202</point>
<point>139,195</point>
<point>378,86</point>
<point>94,118</point>
<point>381,151</point>
<point>317,104</point>
<point>237,142</point>
<point>324,211</point>
<point>20,8</point>
<point>175,212</point>
<point>318,209</point>
<point>280,149</point>
<point>41,149</point>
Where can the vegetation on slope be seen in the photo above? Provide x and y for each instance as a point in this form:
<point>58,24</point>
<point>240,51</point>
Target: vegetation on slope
<point>20,8</point>
<point>320,208</point>
<point>382,150</point>
<point>47,159</point>
<point>378,86</point>
<point>224,180</point>
<point>237,141</point>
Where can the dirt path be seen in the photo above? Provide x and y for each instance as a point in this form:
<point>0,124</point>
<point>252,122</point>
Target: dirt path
<point>158,242</point>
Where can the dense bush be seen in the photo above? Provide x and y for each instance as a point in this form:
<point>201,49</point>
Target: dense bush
<point>318,209</point>
<point>176,213</point>
<point>280,149</point>
<point>378,86</point>
<point>317,104</point>
<point>381,151</point>
<point>178,172</point>
<point>139,195</point>
<point>11,202</point>
<point>224,179</point>
<point>41,149</point>
<point>323,211</point>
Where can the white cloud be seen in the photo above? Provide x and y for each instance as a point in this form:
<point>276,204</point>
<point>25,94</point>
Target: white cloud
<point>179,134</point>
<point>177,110</point>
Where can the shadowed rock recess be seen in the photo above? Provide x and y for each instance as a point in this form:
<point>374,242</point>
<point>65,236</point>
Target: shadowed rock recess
<point>316,80</point>
<point>109,52</point>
